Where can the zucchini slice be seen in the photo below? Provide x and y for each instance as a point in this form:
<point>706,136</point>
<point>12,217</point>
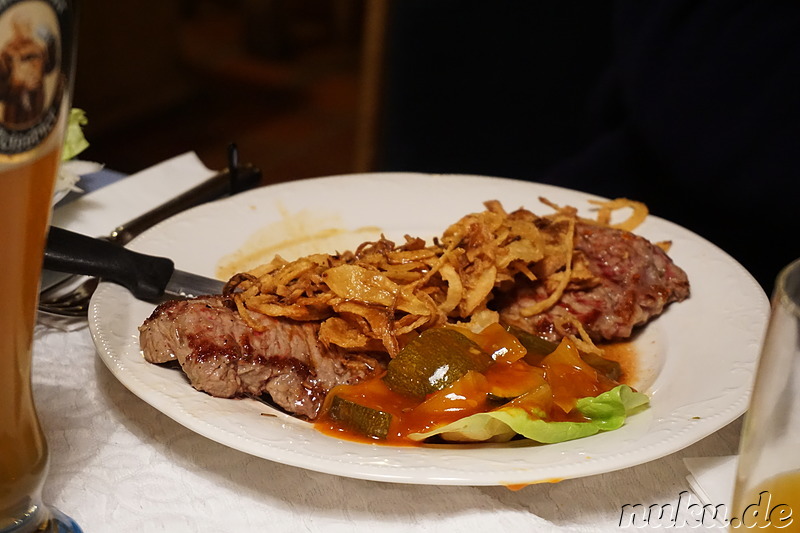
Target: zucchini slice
<point>359,418</point>
<point>432,361</point>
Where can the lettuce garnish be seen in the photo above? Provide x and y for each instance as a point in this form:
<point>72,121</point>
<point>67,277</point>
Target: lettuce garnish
<point>604,412</point>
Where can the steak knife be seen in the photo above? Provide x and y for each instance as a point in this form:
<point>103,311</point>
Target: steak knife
<point>148,277</point>
<point>233,180</point>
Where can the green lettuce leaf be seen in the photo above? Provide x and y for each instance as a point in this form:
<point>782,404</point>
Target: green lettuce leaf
<point>605,412</point>
<point>74,141</point>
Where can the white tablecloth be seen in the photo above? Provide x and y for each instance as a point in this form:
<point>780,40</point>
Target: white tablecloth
<point>119,465</point>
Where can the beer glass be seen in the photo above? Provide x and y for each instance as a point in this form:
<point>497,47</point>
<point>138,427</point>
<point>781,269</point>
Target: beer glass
<point>767,491</point>
<point>36,64</point>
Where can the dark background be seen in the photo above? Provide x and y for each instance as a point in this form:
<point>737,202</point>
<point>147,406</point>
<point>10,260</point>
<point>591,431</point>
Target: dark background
<point>687,105</point>
<point>500,91</point>
<point>496,88</point>
<point>161,77</point>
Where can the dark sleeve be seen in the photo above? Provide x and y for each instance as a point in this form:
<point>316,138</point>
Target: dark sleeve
<point>699,117</point>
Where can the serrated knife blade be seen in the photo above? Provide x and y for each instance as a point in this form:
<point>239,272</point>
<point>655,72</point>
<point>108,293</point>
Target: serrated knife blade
<point>187,285</point>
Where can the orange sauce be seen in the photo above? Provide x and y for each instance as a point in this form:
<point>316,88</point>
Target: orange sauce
<point>562,376</point>
<point>373,393</point>
<point>624,353</point>
<point>294,235</point>
<point>519,486</point>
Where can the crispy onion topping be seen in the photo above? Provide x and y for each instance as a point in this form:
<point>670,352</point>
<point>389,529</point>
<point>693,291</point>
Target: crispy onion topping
<point>376,297</point>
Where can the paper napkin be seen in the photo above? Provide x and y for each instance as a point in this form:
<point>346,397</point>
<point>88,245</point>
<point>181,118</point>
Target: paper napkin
<point>712,478</point>
<point>100,212</point>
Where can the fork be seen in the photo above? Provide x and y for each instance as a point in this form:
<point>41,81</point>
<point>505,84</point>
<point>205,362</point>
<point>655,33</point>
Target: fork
<point>70,296</point>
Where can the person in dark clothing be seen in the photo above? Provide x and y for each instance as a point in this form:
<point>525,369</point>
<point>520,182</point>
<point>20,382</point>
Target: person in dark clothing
<point>694,109</point>
<point>699,117</point>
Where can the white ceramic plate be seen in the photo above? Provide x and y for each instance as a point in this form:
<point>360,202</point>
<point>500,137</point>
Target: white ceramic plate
<point>697,359</point>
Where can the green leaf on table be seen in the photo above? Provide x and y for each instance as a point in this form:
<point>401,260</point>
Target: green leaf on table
<point>74,141</point>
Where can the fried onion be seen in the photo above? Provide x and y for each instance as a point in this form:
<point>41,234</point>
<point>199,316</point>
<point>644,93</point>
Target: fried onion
<point>383,293</point>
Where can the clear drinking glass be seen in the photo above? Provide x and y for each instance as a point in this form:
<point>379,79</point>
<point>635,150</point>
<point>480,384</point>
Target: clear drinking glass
<point>767,492</point>
<point>36,68</point>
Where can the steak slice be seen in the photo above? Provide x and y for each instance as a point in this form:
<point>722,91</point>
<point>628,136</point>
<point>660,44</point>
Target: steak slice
<point>225,357</point>
<point>636,280</point>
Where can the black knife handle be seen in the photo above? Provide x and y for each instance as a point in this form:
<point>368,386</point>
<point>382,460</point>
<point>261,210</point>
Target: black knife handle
<point>145,276</point>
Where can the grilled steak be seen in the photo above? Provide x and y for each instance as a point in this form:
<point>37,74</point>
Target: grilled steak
<point>634,281</point>
<point>225,357</point>
<point>631,281</point>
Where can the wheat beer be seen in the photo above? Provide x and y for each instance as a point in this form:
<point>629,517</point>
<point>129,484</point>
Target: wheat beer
<point>772,505</point>
<point>35,65</point>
